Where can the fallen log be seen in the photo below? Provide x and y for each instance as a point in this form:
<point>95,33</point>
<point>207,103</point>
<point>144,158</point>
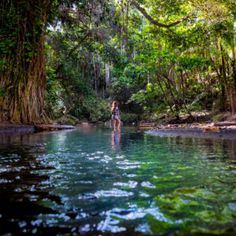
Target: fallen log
<point>225,123</point>
<point>52,127</point>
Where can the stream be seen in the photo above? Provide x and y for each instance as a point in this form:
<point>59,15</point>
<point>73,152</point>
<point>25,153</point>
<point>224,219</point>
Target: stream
<point>98,182</point>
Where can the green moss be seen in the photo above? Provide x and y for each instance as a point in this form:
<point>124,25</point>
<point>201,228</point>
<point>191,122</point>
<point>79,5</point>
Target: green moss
<point>159,226</point>
<point>186,190</point>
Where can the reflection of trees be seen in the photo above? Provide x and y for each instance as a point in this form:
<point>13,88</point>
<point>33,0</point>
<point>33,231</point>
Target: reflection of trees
<point>219,148</point>
<point>230,147</point>
<point>21,188</point>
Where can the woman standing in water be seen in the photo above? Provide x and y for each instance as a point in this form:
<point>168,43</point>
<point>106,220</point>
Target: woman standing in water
<point>115,116</point>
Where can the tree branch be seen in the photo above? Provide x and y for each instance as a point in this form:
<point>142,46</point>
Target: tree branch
<point>153,21</point>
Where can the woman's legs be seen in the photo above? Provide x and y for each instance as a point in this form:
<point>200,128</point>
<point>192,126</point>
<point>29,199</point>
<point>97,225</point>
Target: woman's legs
<point>116,124</point>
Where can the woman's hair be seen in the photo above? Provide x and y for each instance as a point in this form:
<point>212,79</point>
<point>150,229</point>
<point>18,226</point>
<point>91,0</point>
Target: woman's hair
<point>114,104</point>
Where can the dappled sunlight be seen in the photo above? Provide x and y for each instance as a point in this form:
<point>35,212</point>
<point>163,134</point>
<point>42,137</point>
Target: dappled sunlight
<point>149,185</point>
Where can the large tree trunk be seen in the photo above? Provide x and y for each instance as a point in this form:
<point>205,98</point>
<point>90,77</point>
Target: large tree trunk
<point>23,80</point>
<point>233,89</point>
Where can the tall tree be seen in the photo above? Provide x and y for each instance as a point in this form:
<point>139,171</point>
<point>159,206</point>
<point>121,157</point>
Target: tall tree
<point>22,77</point>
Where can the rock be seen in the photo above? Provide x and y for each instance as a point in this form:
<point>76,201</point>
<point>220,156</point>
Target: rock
<point>52,127</point>
<point>211,129</point>
<point>146,125</point>
<point>225,123</point>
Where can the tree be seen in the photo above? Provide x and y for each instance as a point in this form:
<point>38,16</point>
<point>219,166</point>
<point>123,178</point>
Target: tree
<point>22,77</point>
<point>76,56</point>
<point>22,62</point>
<point>196,55</point>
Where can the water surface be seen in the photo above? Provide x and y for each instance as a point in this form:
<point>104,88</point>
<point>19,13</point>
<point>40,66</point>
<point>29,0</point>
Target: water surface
<point>97,182</point>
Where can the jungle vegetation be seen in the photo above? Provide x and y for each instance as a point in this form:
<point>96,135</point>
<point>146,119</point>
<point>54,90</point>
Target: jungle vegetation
<point>155,57</point>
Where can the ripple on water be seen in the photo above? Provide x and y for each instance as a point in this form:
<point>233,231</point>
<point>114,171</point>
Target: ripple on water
<point>130,184</point>
<point>142,194</point>
<point>53,219</point>
<point>105,159</point>
<point>110,225</point>
<point>120,156</point>
<point>22,224</point>
<point>97,156</point>
<point>113,193</point>
<point>147,184</point>
<point>87,196</point>
<point>130,175</point>
<point>91,158</point>
<point>126,165</point>
<point>117,215</point>
<point>135,212</point>
<point>85,228</point>
<point>126,162</point>
<point>36,222</point>
<point>9,169</point>
<point>81,215</point>
<point>128,214</point>
<point>6,181</point>
<point>106,227</point>
<point>143,228</point>
<point>99,152</point>
<point>85,182</point>
<point>109,192</point>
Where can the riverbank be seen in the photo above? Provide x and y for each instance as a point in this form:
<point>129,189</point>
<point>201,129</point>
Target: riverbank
<point>220,130</point>
<point>11,129</point>
<point>202,125</point>
<point>224,128</point>
<point>8,129</point>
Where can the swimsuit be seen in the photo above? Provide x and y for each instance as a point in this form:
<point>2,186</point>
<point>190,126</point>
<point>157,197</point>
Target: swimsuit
<point>115,114</point>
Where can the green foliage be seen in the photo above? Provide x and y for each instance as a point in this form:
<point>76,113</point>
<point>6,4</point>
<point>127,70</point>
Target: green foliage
<point>76,72</point>
<point>2,92</point>
<point>3,65</point>
<point>7,46</point>
<point>94,109</point>
<point>54,94</point>
<point>130,118</point>
<point>153,70</point>
<point>193,62</point>
<point>139,97</point>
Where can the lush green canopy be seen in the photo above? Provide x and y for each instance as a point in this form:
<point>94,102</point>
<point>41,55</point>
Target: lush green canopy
<point>156,58</point>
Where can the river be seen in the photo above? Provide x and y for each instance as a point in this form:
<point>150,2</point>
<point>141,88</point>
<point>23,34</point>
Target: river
<point>96,182</point>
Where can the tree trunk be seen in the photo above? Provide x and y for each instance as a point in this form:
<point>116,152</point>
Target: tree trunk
<point>233,64</point>
<point>222,76</point>
<point>107,75</point>
<point>23,81</point>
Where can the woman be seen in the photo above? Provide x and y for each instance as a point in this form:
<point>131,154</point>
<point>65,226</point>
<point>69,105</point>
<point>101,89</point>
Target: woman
<point>115,116</point>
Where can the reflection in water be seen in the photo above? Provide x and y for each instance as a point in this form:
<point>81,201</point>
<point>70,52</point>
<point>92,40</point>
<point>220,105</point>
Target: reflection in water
<point>23,192</point>
<point>116,140</point>
<point>74,183</point>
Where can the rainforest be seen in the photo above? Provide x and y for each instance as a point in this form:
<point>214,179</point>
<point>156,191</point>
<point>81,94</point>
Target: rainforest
<point>67,60</point>
<point>117,117</point>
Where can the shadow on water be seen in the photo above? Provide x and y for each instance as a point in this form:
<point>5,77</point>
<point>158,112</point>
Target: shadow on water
<point>99,182</point>
<point>22,191</point>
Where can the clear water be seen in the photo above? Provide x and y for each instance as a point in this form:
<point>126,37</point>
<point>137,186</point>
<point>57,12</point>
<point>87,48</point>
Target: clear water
<point>95,182</point>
